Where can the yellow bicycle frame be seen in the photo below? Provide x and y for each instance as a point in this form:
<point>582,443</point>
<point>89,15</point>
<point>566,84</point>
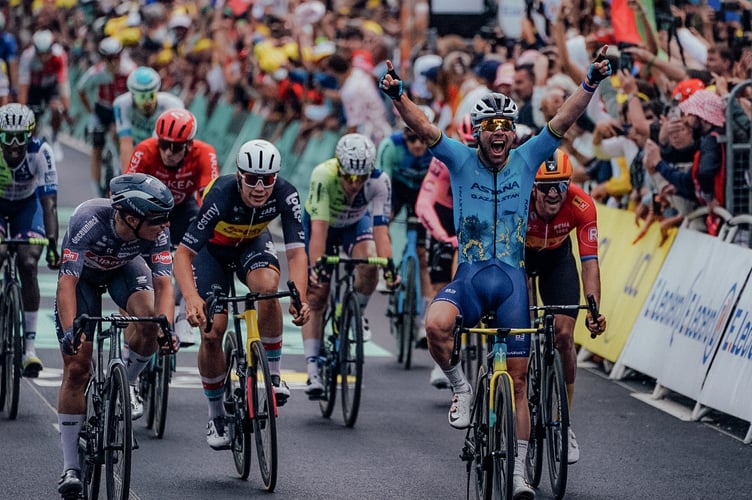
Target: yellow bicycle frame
<point>250,317</point>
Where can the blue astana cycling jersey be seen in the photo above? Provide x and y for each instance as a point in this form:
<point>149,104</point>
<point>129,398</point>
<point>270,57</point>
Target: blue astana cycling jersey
<point>491,208</point>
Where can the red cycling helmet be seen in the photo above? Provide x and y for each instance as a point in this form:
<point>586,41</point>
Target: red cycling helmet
<point>176,125</point>
<point>465,131</point>
<point>686,88</point>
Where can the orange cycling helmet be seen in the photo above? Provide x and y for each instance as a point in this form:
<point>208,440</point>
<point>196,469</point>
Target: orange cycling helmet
<point>556,168</point>
<point>176,125</point>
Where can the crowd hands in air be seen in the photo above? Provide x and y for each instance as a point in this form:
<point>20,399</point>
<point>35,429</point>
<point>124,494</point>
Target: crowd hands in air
<point>561,113</point>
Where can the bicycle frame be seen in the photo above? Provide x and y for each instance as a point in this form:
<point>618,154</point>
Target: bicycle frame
<point>411,252</point>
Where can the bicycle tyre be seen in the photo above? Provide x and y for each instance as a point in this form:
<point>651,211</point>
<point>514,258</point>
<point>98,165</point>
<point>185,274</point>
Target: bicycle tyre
<point>15,326</point>
<point>395,321</point>
<point>351,359</point>
<point>503,439</point>
<point>236,408</point>
<point>329,366</point>
<point>90,453</point>
<point>118,435</point>
<point>556,414</point>
<point>146,386</point>
<point>107,171</point>
<point>4,340</point>
<point>477,443</point>
<point>163,375</point>
<point>409,311</point>
<point>534,459</point>
<point>264,415</point>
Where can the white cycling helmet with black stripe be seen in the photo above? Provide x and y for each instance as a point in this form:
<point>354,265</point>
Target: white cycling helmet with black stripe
<point>356,154</point>
<point>494,105</point>
<point>258,157</point>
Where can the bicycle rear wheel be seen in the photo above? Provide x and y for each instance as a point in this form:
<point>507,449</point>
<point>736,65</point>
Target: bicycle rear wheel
<point>503,439</point>
<point>409,311</point>
<point>239,424</point>
<point>90,453</point>
<point>264,415</point>
<point>329,366</point>
<point>556,418</point>
<point>14,326</point>
<point>162,379</point>
<point>534,459</point>
<point>118,435</point>
<point>395,321</point>
<point>351,359</point>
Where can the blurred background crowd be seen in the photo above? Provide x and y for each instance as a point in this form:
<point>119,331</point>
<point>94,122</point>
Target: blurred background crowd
<point>659,139</point>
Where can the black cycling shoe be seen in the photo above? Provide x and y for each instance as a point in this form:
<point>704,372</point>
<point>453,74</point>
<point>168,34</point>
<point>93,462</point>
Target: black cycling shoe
<point>70,485</point>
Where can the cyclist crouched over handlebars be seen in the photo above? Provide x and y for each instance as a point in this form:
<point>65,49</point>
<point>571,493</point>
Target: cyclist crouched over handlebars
<point>103,249</point>
<point>491,194</point>
<point>231,230</point>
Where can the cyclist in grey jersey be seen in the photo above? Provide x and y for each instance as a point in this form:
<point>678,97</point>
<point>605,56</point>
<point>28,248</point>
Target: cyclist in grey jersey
<point>491,193</point>
<point>103,249</point>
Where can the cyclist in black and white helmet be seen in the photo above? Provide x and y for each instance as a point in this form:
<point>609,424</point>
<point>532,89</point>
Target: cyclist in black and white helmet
<point>232,228</point>
<point>349,205</point>
<point>491,187</point>
<point>103,248</point>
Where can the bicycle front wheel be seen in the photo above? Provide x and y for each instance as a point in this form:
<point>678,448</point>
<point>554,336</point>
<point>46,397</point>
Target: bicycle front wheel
<point>409,311</point>
<point>351,359</point>
<point>556,420</point>
<point>395,321</point>
<point>118,435</point>
<point>14,326</point>
<point>264,415</point>
<point>329,366</point>
<point>236,408</point>
<point>534,459</point>
<point>161,394</point>
<point>90,453</point>
<point>503,439</point>
<point>476,450</point>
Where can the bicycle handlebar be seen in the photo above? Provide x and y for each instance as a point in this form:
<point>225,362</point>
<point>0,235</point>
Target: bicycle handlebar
<point>591,306</point>
<point>14,242</point>
<point>121,321</point>
<point>217,300</point>
<point>459,329</point>
<point>332,260</point>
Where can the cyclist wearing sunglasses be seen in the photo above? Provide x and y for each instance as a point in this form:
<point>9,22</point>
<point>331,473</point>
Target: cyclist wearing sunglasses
<point>491,188</point>
<point>186,166</point>
<point>137,110</point>
<point>103,249</point>
<point>43,82</point>
<point>28,208</point>
<point>232,228</point>
<point>107,79</point>
<point>558,207</point>
<point>348,206</point>
<point>404,157</point>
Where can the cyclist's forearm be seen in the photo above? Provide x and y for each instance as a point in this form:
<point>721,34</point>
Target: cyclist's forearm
<point>182,268</point>
<point>164,296</point>
<point>383,241</point>
<point>591,279</point>
<point>317,243</point>
<point>126,150</point>
<point>297,262</point>
<point>49,209</point>
<point>66,300</point>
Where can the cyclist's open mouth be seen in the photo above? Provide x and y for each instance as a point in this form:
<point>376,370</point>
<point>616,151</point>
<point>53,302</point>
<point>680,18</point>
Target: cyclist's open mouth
<point>498,146</point>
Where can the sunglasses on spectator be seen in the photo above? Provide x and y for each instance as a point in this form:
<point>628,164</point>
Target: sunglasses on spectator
<point>252,180</point>
<point>14,138</point>
<point>144,98</point>
<point>494,124</point>
<point>352,178</point>
<point>175,147</point>
<point>559,186</point>
<point>412,137</point>
<point>158,221</point>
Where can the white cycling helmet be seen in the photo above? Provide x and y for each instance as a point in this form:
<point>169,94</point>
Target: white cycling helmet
<point>258,157</point>
<point>356,154</point>
<point>110,47</point>
<point>143,80</point>
<point>494,105</point>
<point>42,41</point>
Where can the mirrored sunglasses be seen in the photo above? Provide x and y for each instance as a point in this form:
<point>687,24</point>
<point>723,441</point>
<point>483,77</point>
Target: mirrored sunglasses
<point>158,221</point>
<point>411,137</point>
<point>353,178</point>
<point>143,98</point>
<point>14,138</point>
<point>559,186</point>
<point>175,147</point>
<point>266,180</point>
<point>494,124</point>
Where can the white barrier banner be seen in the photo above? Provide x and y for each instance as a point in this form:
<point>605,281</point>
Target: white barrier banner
<point>729,382</point>
<point>681,322</point>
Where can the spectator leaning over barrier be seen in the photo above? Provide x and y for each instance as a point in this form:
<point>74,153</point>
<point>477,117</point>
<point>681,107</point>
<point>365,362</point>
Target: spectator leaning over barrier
<point>491,245</point>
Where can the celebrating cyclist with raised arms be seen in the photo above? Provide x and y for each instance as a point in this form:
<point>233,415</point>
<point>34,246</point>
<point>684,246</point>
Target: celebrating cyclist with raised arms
<point>103,249</point>
<point>186,166</point>
<point>337,214</point>
<point>557,208</point>
<point>491,188</point>
<point>28,204</point>
<point>137,110</point>
<point>232,229</point>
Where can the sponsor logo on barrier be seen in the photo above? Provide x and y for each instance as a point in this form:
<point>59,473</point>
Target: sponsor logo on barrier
<point>738,339</point>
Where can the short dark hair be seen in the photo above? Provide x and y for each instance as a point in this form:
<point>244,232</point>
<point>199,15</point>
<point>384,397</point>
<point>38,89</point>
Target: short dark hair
<point>338,63</point>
